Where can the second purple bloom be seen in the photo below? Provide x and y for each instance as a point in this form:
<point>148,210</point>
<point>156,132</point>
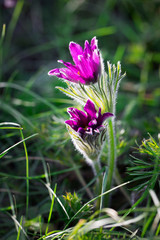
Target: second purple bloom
<point>89,122</point>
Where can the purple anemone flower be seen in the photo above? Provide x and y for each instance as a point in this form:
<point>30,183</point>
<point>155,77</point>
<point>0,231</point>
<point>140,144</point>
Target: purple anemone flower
<point>89,122</point>
<point>87,66</point>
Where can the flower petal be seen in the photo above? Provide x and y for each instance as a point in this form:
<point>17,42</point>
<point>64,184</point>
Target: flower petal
<point>70,66</point>
<point>87,49</point>
<point>72,124</point>
<point>90,109</point>
<point>94,43</point>
<point>75,50</point>
<point>92,123</point>
<point>69,75</point>
<point>87,66</point>
<point>60,73</point>
<point>87,123</point>
<point>81,131</point>
<point>78,115</point>
<point>96,58</point>
<point>89,131</point>
<point>85,70</point>
<point>54,72</point>
<point>102,118</point>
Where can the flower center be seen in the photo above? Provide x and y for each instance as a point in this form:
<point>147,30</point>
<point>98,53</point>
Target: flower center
<point>85,128</point>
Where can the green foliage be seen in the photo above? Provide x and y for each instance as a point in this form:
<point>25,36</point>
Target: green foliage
<point>150,147</point>
<point>146,170</point>
<point>75,203</point>
<point>146,173</point>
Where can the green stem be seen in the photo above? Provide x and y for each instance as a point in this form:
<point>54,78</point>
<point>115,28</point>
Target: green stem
<point>111,159</point>
<point>96,168</point>
<point>81,179</point>
<point>27,173</point>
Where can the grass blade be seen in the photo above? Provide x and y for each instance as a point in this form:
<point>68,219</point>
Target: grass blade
<point>51,209</point>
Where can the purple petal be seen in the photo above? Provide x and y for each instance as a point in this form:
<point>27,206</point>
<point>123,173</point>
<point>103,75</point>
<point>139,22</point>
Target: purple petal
<point>87,49</point>
<point>78,115</point>
<point>103,117</point>
<point>75,50</point>
<point>64,73</point>
<point>89,131</point>
<point>96,57</point>
<point>72,124</point>
<point>94,43</point>
<point>90,109</point>
<point>70,66</point>
<point>80,76</point>
<point>54,72</point>
<point>85,69</point>
<point>69,75</point>
<point>97,129</point>
<point>72,114</point>
<point>92,123</point>
<point>81,130</point>
<point>99,112</point>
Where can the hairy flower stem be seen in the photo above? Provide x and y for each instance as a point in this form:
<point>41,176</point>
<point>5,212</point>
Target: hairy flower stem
<point>96,168</point>
<point>111,160</point>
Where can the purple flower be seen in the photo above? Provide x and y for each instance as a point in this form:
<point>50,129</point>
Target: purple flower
<point>87,66</point>
<point>89,122</point>
<point>10,3</point>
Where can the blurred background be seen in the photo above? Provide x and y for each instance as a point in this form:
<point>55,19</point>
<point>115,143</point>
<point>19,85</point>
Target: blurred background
<point>34,35</point>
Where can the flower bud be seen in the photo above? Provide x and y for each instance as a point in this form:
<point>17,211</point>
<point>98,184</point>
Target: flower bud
<point>86,129</point>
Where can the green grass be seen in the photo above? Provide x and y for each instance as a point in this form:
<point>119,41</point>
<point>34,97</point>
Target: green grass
<point>46,188</point>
